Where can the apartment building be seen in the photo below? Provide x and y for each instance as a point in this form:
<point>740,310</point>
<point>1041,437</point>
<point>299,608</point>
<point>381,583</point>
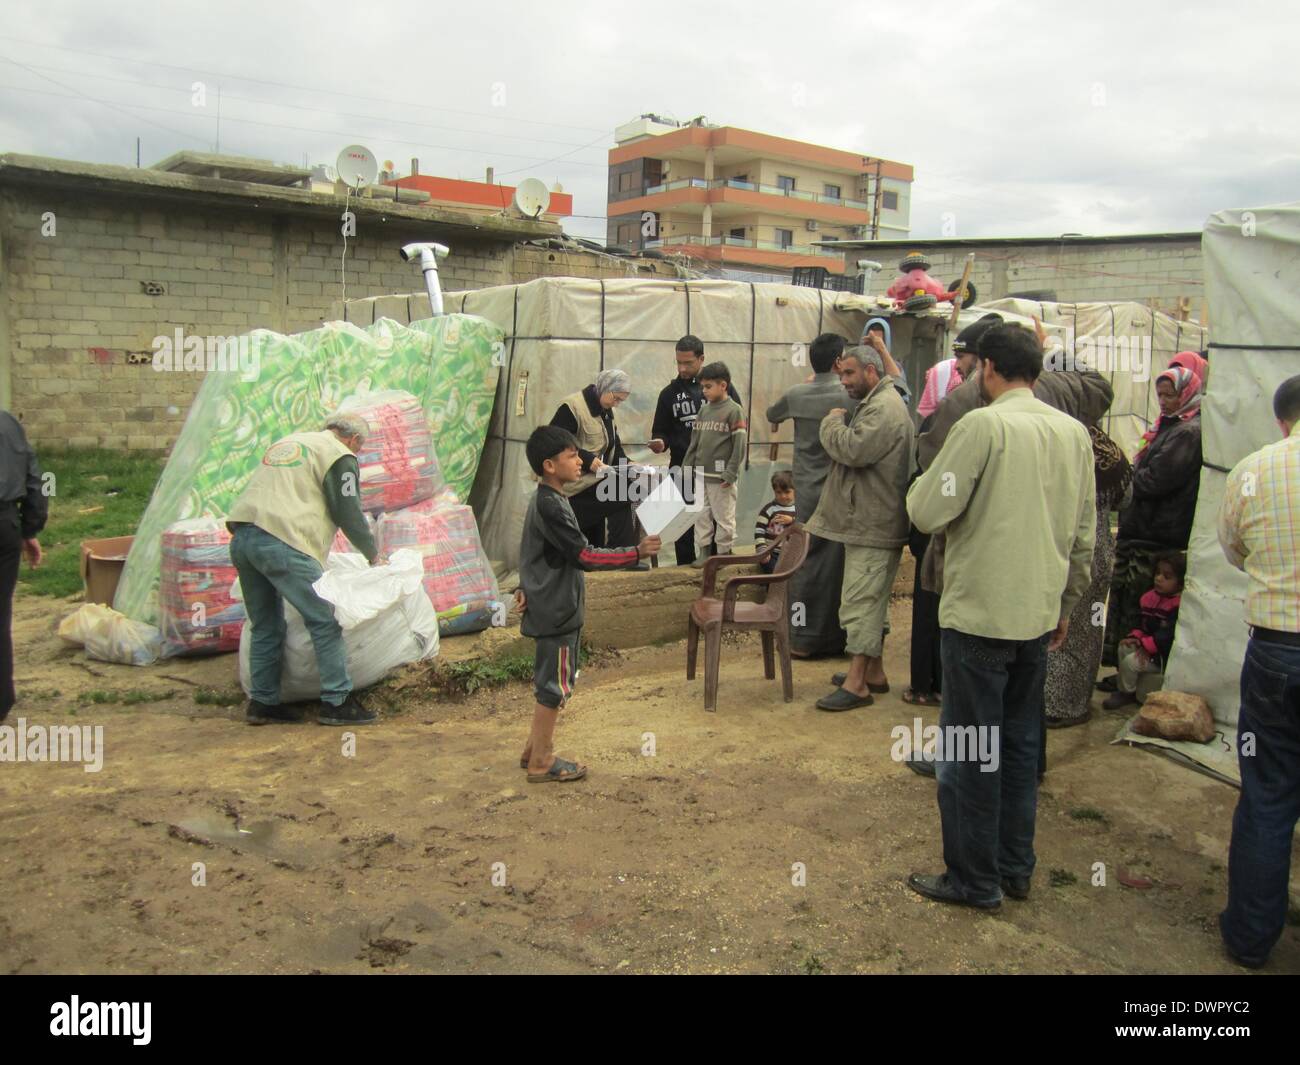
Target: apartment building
<point>733,197</point>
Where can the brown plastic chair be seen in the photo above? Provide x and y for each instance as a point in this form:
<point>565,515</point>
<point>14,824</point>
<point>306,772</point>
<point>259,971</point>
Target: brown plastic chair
<point>770,617</point>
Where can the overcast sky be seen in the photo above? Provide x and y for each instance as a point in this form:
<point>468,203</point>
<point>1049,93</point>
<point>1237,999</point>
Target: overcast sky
<point>1020,119</point>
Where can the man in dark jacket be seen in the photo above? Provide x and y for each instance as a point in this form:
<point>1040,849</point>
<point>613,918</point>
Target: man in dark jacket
<point>679,403</point>
<point>23,512</point>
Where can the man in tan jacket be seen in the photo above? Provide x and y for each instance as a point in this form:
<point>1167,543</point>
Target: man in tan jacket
<point>306,487</point>
<point>863,506</point>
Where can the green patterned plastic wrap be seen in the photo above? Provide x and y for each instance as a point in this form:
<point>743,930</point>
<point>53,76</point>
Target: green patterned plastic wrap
<point>449,364</point>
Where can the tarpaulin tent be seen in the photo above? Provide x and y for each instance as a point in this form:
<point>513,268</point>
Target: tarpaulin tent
<point>560,331</point>
<point>1252,274</point>
<point>292,383</point>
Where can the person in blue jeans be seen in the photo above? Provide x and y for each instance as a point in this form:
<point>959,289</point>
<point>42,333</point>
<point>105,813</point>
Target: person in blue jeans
<point>306,487</point>
<point>1013,491</point>
<point>1259,527</point>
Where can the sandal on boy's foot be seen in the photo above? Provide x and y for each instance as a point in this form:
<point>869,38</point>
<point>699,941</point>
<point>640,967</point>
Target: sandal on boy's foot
<point>915,698</point>
<point>561,772</point>
<point>840,699</point>
<point>1108,684</point>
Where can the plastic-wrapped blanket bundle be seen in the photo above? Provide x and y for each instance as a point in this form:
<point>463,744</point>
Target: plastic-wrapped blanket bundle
<point>398,463</point>
<point>457,575</point>
<point>197,611</point>
<point>385,616</point>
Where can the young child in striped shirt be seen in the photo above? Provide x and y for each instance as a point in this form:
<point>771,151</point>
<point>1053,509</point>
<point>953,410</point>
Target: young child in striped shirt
<point>775,516</point>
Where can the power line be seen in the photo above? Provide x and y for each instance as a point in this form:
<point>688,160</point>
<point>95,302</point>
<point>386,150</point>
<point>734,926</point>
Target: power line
<point>85,96</point>
<point>298,129</point>
<point>303,107</point>
<point>302,88</point>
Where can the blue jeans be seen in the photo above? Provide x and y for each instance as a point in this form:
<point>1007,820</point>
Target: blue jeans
<point>1259,857</point>
<point>271,571</point>
<point>988,817</point>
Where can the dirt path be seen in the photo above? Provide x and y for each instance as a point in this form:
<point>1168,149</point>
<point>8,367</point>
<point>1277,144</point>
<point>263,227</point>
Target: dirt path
<point>677,862</point>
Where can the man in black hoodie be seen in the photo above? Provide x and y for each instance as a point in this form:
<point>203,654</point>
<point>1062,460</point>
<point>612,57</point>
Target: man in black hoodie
<point>679,403</point>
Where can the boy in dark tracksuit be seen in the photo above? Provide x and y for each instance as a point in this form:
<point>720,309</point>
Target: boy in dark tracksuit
<point>552,592</point>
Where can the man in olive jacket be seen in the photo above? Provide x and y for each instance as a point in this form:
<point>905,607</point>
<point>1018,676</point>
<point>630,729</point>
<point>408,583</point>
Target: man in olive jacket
<point>863,506</point>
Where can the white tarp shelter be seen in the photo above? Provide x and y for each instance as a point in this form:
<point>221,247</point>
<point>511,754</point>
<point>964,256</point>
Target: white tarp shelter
<point>1252,275</point>
<point>560,331</point>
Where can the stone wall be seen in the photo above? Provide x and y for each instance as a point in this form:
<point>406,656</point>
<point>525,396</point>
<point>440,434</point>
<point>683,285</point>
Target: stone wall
<point>1159,272</point>
<point>83,304</point>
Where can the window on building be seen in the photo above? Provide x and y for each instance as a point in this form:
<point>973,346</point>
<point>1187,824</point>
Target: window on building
<point>784,183</point>
<point>830,238</point>
<point>627,233</point>
<point>626,181</point>
<point>738,233</point>
<point>833,191</point>
<point>889,201</point>
<point>739,177</point>
<point>785,237</point>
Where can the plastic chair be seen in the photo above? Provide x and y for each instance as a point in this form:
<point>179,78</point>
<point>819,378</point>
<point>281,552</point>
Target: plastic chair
<point>770,617</point>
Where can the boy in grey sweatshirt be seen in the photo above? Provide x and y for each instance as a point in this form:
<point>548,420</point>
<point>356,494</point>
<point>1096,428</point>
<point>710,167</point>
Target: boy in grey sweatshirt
<point>718,440</point>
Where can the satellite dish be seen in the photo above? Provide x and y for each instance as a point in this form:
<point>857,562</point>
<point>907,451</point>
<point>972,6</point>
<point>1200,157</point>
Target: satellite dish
<point>531,198</point>
<point>357,166</point>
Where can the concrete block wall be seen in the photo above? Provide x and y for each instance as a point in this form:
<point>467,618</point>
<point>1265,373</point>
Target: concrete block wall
<point>527,263</point>
<point>1164,271</point>
<point>77,319</point>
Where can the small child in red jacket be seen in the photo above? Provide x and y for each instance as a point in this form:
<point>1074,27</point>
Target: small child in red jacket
<point>1143,653</point>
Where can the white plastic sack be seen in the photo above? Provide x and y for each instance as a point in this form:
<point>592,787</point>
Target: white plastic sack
<point>124,641</point>
<point>386,618</point>
<point>78,625</point>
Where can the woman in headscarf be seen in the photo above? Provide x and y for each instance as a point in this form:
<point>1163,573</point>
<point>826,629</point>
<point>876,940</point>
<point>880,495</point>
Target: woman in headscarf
<point>1166,478</point>
<point>589,416</point>
<point>1072,670</point>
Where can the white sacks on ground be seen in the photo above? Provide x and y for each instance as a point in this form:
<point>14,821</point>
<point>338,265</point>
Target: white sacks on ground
<point>398,464</point>
<point>196,610</point>
<point>111,637</point>
<point>457,575</point>
<point>386,618</point>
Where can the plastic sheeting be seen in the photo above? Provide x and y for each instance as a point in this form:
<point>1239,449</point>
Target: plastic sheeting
<point>450,364</point>
<point>561,331</point>
<point>1252,273</point>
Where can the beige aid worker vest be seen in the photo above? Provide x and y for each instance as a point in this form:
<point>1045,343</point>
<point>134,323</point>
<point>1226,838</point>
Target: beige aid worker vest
<point>285,497</point>
<point>591,437</point>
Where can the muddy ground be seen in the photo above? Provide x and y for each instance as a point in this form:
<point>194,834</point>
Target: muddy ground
<point>683,861</point>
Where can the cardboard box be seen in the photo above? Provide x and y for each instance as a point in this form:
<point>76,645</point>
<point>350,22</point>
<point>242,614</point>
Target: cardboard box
<point>101,567</point>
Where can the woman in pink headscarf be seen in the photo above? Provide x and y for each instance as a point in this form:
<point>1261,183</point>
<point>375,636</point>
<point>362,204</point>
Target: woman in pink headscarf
<point>1166,478</point>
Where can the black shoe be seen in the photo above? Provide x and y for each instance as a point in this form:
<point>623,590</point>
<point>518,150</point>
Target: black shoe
<point>349,712</point>
<point>939,887</point>
<point>921,766</point>
<point>1069,722</point>
<point>1108,684</point>
<point>1017,887</point>
<point>260,714</point>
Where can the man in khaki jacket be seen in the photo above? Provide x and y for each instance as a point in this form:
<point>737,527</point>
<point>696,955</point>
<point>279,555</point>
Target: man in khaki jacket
<point>306,487</point>
<point>863,506</point>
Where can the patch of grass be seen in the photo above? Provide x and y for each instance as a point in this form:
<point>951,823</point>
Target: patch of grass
<point>1087,813</point>
<point>211,697</point>
<point>812,965</point>
<point>467,677</point>
<point>1062,878</point>
<point>127,698</point>
<point>114,486</point>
